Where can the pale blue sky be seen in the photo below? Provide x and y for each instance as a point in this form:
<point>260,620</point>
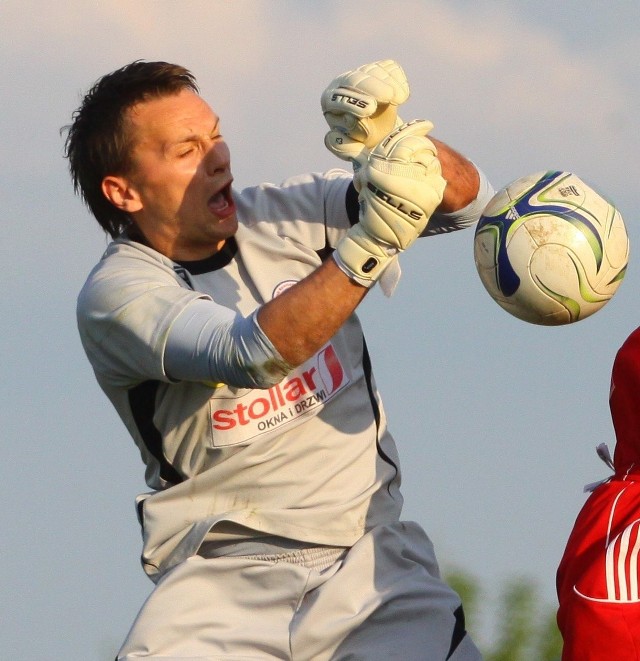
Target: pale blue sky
<point>496,420</point>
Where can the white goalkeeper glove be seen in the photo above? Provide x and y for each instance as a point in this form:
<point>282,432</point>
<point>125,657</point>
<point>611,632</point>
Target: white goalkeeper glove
<point>401,186</point>
<point>361,108</point>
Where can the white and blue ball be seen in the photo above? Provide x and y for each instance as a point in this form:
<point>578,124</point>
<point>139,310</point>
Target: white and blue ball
<point>550,250</point>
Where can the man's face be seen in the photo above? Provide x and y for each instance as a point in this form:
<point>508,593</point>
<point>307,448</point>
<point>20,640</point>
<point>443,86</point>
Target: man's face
<point>181,175</point>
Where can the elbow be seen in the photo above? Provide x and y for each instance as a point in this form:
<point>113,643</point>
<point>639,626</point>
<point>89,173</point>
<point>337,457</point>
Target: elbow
<point>263,376</point>
<point>269,374</point>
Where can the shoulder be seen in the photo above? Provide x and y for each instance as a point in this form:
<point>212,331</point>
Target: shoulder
<point>125,259</point>
<point>125,310</point>
<point>125,270</point>
<point>300,195</point>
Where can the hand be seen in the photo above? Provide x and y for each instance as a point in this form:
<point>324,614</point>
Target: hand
<point>400,187</point>
<point>361,108</point>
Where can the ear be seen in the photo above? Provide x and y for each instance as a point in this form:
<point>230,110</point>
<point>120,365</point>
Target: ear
<point>120,192</point>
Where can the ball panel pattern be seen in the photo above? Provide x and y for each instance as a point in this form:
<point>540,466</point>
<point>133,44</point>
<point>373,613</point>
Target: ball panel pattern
<point>549,249</point>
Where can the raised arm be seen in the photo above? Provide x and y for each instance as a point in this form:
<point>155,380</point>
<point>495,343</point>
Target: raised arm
<point>461,176</point>
<point>400,188</point>
<point>360,107</point>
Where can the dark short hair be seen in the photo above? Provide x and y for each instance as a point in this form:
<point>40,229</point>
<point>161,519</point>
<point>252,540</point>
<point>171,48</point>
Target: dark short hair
<point>98,143</point>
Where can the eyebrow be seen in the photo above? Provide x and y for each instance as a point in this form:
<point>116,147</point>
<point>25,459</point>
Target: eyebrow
<point>216,127</point>
<point>194,137</point>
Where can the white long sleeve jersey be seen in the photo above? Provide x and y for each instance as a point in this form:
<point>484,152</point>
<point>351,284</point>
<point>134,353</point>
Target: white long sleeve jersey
<point>309,458</point>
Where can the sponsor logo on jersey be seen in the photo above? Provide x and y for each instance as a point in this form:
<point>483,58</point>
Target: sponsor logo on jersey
<point>305,391</point>
<point>283,286</point>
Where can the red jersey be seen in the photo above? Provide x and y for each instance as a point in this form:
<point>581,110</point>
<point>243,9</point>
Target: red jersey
<point>597,580</point>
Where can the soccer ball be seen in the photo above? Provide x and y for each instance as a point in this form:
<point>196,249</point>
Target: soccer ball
<point>550,250</point>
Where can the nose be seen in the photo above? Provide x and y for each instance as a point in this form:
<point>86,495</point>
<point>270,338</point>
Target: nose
<point>217,158</point>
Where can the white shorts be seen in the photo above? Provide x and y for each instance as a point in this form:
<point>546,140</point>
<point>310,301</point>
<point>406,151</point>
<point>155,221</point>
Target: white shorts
<point>382,599</point>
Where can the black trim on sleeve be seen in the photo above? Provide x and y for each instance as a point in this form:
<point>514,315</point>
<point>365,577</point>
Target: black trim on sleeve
<point>353,214</point>
<point>325,252</point>
<point>142,401</point>
<point>353,206</point>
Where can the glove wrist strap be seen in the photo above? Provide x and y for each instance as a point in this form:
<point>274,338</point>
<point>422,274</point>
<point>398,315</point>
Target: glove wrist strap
<point>360,264</point>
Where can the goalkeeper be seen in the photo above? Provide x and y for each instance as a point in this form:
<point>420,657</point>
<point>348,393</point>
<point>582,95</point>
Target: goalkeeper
<point>221,325</point>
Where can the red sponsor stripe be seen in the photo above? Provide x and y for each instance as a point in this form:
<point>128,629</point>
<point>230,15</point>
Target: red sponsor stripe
<point>334,368</point>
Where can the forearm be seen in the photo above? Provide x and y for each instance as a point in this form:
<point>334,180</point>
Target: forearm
<point>302,319</point>
<point>461,176</point>
<point>212,344</point>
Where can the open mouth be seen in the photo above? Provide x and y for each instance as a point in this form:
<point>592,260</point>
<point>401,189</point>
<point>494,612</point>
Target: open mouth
<point>221,203</point>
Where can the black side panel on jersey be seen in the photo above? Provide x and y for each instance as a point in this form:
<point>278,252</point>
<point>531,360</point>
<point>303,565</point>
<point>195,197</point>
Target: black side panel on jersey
<point>142,401</point>
<point>459,631</point>
<point>366,364</point>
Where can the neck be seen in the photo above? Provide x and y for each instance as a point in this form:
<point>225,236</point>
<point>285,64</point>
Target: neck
<point>170,250</point>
